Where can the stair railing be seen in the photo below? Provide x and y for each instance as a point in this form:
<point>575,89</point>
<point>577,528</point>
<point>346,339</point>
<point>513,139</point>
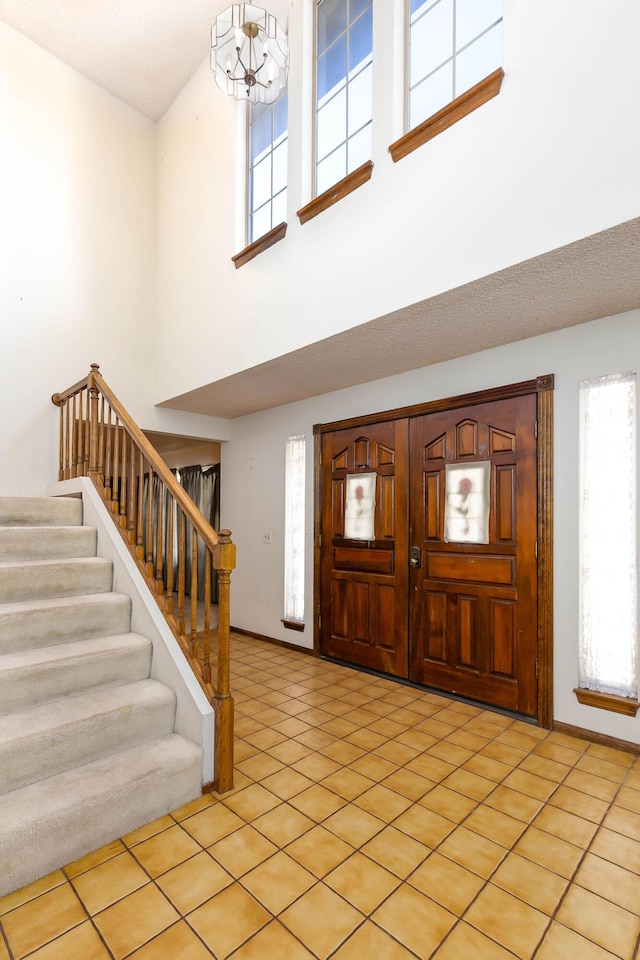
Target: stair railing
<point>166,534</point>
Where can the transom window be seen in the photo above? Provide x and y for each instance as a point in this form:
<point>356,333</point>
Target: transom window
<point>453,44</point>
<point>344,88</point>
<point>268,136</point>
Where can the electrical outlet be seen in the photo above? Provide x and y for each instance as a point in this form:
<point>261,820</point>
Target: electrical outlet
<point>268,536</point>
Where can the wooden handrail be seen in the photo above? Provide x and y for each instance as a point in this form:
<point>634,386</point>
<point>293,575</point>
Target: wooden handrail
<point>99,439</point>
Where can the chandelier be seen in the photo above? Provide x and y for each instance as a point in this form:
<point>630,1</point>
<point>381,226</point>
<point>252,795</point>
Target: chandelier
<point>249,54</point>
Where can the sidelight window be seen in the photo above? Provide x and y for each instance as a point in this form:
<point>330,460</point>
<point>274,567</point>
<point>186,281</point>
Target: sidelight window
<point>268,145</point>
<point>294,531</point>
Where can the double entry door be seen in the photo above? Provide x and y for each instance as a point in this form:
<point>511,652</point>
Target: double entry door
<point>428,566</point>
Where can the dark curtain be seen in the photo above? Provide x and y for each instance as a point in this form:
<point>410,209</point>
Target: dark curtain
<point>203,486</point>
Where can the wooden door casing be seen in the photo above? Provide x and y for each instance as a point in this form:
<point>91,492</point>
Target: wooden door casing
<point>364,597</point>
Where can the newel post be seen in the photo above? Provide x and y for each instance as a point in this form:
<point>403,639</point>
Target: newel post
<point>224,561</point>
<point>93,421</point>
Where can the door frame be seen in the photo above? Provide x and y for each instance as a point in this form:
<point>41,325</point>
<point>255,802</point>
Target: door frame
<point>543,387</point>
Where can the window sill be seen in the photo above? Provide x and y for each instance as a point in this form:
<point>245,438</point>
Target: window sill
<point>339,190</point>
<point>293,625</point>
<point>454,111</point>
<point>263,243</point>
<point>607,701</point>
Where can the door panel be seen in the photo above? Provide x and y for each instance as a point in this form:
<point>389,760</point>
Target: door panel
<point>364,583</point>
<point>484,593</point>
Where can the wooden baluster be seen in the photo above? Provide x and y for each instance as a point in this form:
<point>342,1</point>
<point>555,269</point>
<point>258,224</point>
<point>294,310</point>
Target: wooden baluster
<point>170,535</point>
<point>159,543</point>
<point>93,432</point>
<point>108,484</point>
<point>123,481</point>
<point>140,510</point>
<point>182,546</point>
<point>61,452</point>
<point>74,440</point>
<point>101,440</point>
<point>149,538</point>
<point>224,561</point>
<point>67,441</point>
<point>81,434</point>
<point>193,639</point>
<point>86,424</point>
<point>131,500</point>
<point>115,488</point>
<point>206,656</point>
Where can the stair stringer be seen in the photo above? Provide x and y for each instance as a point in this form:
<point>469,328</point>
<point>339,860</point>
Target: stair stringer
<point>194,713</point>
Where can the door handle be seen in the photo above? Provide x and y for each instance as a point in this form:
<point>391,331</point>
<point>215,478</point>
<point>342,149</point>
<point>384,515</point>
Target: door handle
<point>415,557</point>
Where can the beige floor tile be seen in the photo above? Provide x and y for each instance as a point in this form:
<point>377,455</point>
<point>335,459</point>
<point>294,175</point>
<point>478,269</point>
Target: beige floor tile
<point>495,825</point>
<point>339,727</point>
<point>289,751</point>
<point>451,753</point>
<point>370,941</point>
<point>382,803</point>
<point>472,851</point>
<point>488,768</point>
<point>560,943</point>
<point>623,821</point>
<point>610,881</point>
<point>369,740</point>
<point>580,804</point>
<point>273,942</point>
<point>556,855</point>
<point>317,802</point>
<point>530,784</point>
<point>339,920</point>
<point>282,824</point>
<point>242,851</point>
<point>317,766</point>
<point>446,882</point>
<point>347,784</point>
<point>287,783</point>
<point>148,830</point>
<point>131,922</point>
<point>33,890</point>
<point>252,802</point>
<point>593,785</point>
<point>243,749</point>
<point>110,881</point>
<point>194,881</point>
<point>278,881</point>
<point>566,826</point>
<point>431,768</point>
<point>416,921</point>
<point>92,859</point>
<point>228,920</point>
<point>409,784</point>
<point>555,751</point>
<point>628,798</point>
<point>81,942</point>
<point>416,740</point>
<point>179,942</point>
<point>602,768</point>
<point>361,881</point>
<point>316,739</point>
<point>512,923</point>
<point>260,766</point>
<point>374,766</point>
<point>396,752</point>
<point>530,882</point>
<point>606,924</point>
<point>468,740</point>
<point>319,851</point>
<point>515,738</point>
<point>469,784</point>
<point>37,922</point>
<point>450,804</point>
<point>342,752</point>
<point>166,850</point>
<point>195,806</point>
<point>396,851</point>
<point>503,752</point>
<point>424,825</point>
<point>514,803</point>
<point>623,757</point>
<point>466,942</point>
<point>617,848</point>
<point>212,824</point>
<point>354,825</point>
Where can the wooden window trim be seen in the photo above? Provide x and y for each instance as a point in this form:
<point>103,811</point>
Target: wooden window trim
<point>293,625</point>
<point>339,190</point>
<point>463,105</point>
<point>263,243</point>
<point>607,701</point>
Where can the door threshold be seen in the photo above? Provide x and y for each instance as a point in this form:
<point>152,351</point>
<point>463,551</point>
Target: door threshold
<point>434,690</point>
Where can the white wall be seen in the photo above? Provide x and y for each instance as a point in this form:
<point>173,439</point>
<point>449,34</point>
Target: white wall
<point>77,256</point>
<point>551,160</point>
<point>253,480</point>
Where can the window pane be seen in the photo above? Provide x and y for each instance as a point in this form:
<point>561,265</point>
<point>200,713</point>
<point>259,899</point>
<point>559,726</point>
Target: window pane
<point>332,124</point>
<point>472,18</point>
<point>331,170</point>
<point>431,95</point>
<point>356,7</point>
<point>332,68</point>
<point>360,148</point>
<point>431,40</point>
<point>261,222</point>
<point>281,116</point>
<point>360,39</point>
<point>360,99</point>
<point>260,134</point>
<point>280,168</point>
<point>279,208</point>
<point>418,7</point>
<point>608,522</point>
<point>479,60</point>
<point>332,20</point>
<point>261,183</point>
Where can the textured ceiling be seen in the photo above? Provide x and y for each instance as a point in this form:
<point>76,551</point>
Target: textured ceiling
<point>595,277</point>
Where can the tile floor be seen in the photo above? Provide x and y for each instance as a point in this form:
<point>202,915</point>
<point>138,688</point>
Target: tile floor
<point>368,819</point>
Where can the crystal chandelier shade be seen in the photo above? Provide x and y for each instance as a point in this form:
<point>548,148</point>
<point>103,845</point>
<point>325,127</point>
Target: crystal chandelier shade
<point>249,54</point>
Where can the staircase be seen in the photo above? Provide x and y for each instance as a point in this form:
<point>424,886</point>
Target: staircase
<point>87,744</point>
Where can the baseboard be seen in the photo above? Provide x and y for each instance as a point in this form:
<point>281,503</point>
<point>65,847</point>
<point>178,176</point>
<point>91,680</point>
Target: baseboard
<point>600,738</point>
<point>272,640</point>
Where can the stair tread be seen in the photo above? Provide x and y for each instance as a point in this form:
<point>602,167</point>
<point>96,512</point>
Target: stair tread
<point>53,542</point>
<point>37,604</point>
<point>43,511</point>
<point>74,649</point>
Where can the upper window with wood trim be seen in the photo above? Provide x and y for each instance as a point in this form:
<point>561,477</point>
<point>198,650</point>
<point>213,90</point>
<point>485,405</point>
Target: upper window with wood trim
<point>267,166</point>
<point>452,46</point>
<point>344,89</point>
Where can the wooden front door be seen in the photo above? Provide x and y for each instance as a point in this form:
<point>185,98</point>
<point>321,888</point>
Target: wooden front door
<point>473,623</point>
<point>424,597</point>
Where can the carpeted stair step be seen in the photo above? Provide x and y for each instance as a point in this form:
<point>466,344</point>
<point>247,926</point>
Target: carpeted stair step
<point>46,543</point>
<point>44,741</point>
<point>32,677</point>
<point>44,623</point>
<point>53,822</point>
<point>40,511</point>
<point>39,579</point>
